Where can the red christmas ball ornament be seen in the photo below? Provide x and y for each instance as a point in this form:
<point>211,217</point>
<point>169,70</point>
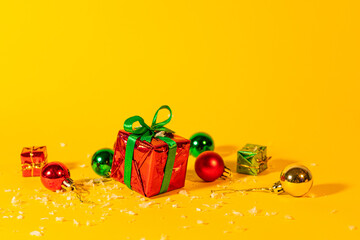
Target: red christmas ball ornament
<point>209,166</point>
<point>55,176</point>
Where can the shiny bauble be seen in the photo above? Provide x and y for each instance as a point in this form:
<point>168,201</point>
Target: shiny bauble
<point>101,162</point>
<point>296,180</point>
<point>201,142</point>
<point>53,175</point>
<point>209,166</point>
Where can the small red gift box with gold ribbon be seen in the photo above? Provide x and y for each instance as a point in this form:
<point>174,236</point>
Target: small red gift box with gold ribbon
<point>32,160</point>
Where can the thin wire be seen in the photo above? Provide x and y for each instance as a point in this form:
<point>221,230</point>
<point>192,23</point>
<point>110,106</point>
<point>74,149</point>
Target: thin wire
<point>227,191</point>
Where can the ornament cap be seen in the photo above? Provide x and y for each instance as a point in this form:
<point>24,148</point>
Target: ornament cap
<point>68,183</point>
<point>277,188</point>
<point>227,173</point>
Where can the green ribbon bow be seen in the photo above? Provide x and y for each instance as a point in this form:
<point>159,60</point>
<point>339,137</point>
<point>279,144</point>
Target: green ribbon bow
<point>146,133</point>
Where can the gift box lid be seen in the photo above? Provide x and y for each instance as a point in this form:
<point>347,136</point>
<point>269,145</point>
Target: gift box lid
<point>158,143</point>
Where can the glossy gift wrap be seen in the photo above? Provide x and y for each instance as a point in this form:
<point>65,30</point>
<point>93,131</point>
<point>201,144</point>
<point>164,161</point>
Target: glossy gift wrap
<point>252,159</point>
<point>32,160</point>
<point>150,160</point>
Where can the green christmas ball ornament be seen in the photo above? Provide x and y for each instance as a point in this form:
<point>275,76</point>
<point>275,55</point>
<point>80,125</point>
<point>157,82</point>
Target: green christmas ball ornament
<point>101,162</point>
<point>201,142</point>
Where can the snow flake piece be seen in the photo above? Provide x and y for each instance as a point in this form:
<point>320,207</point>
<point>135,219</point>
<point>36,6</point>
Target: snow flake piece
<point>237,213</point>
<point>175,206</point>
<point>352,227</point>
<point>214,195</point>
<point>194,197</point>
<point>253,211</point>
<point>76,223</point>
<point>105,205</point>
<point>313,164</point>
<point>164,237</point>
<point>59,219</point>
<point>201,222</point>
<point>226,232</point>
<point>243,229</point>
<point>216,206</point>
<point>160,134</point>
<point>114,196</point>
<point>231,222</point>
<point>270,214</point>
<point>183,216</point>
<point>185,227</point>
<point>198,210</point>
<point>62,144</point>
<point>131,213</point>
<point>8,190</point>
<point>20,217</point>
<point>89,183</point>
<point>288,217</point>
<point>36,233</point>
<point>44,218</point>
<point>146,204</point>
<point>334,211</point>
<point>82,165</point>
<point>15,202</point>
<point>44,199</point>
<point>184,192</point>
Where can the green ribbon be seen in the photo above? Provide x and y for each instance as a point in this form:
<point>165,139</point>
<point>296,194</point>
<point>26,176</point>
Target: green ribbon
<point>146,133</point>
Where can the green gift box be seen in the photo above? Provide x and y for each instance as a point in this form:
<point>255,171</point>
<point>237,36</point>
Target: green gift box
<point>252,159</point>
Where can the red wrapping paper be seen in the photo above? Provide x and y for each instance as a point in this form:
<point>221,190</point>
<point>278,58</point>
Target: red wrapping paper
<point>149,162</point>
<point>32,160</point>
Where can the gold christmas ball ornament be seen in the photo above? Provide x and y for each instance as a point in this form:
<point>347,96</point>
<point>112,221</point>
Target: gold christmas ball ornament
<point>296,180</point>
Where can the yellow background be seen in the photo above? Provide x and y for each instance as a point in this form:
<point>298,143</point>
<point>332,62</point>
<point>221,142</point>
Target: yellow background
<point>279,73</point>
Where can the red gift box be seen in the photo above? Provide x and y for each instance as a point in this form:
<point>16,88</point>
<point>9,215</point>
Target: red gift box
<point>32,160</point>
<point>158,163</point>
<point>149,163</point>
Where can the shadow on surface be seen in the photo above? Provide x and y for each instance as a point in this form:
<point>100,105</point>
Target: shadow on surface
<point>326,189</point>
<point>226,150</point>
<point>277,165</point>
<point>72,165</point>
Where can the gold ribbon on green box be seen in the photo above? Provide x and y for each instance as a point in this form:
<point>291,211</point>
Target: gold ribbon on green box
<point>252,159</point>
